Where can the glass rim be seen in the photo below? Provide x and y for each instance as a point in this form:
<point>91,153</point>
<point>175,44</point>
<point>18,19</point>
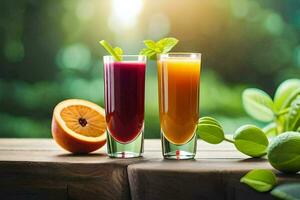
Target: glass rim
<point>130,56</point>
<point>191,55</point>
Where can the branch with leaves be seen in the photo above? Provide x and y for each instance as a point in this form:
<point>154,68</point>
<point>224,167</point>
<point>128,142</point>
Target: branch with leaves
<point>248,139</point>
<point>263,180</point>
<point>282,113</point>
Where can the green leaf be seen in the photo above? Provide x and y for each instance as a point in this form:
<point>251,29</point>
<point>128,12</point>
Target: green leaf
<point>118,51</point>
<point>286,92</point>
<point>209,120</point>
<point>293,118</point>
<point>149,53</point>
<point>251,141</point>
<point>146,51</point>
<point>110,50</point>
<point>258,104</point>
<point>210,133</point>
<point>150,44</point>
<point>270,130</point>
<point>284,152</point>
<point>288,191</point>
<point>210,130</point>
<point>154,48</point>
<point>261,180</point>
<point>291,98</point>
<point>166,44</point>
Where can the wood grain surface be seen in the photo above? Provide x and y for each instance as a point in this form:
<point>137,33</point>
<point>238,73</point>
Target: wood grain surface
<point>39,169</point>
<point>37,165</point>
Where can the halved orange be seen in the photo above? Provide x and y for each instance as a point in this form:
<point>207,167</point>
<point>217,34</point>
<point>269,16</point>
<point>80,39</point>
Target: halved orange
<point>79,126</point>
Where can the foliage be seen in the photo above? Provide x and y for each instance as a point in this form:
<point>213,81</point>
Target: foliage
<point>261,180</point>
<point>284,111</point>
<point>248,139</point>
<point>210,130</point>
<point>251,141</point>
<point>258,104</point>
<point>154,48</point>
<point>288,191</point>
<point>283,153</point>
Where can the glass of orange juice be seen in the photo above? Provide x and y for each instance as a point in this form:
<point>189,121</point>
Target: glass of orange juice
<point>178,87</point>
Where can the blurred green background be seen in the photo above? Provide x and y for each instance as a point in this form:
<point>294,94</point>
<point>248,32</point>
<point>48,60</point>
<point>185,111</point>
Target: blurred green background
<point>49,51</point>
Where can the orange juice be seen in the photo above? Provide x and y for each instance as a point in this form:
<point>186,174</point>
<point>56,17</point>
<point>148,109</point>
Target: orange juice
<point>178,83</point>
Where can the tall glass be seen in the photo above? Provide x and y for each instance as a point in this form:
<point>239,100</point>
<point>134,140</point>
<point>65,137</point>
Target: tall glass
<point>178,86</point>
<point>124,105</point>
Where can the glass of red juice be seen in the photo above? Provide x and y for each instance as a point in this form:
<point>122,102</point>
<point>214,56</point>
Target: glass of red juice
<point>124,84</point>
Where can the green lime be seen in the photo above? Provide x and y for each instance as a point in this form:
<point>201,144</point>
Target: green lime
<point>284,152</point>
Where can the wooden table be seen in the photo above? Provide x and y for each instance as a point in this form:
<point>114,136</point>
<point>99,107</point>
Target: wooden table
<point>39,169</point>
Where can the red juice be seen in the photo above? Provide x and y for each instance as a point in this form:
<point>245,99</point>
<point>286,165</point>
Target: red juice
<point>124,99</point>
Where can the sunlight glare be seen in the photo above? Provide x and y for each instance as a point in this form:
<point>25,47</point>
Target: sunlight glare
<point>125,13</point>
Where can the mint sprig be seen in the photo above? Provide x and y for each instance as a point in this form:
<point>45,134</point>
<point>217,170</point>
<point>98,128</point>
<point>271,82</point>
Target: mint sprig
<point>116,52</point>
<point>162,46</point>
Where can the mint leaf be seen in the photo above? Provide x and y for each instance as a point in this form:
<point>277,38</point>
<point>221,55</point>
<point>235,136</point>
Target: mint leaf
<point>111,51</point>
<point>261,180</point>
<point>150,44</point>
<point>288,191</point>
<point>166,44</point>
<point>148,52</point>
<point>162,46</point>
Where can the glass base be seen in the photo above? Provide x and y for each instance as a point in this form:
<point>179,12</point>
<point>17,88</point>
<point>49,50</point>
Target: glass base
<point>132,149</point>
<point>179,152</point>
<point>125,155</point>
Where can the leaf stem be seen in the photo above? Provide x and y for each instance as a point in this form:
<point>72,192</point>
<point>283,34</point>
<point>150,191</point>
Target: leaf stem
<point>282,112</point>
<point>228,140</point>
<point>110,50</point>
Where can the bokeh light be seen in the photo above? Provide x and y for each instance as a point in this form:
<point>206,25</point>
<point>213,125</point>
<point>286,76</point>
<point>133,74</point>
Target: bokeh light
<point>14,50</point>
<point>274,24</point>
<point>239,8</point>
<point>85,10</point>
<point>124,14</point>
<point>75,56</point>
